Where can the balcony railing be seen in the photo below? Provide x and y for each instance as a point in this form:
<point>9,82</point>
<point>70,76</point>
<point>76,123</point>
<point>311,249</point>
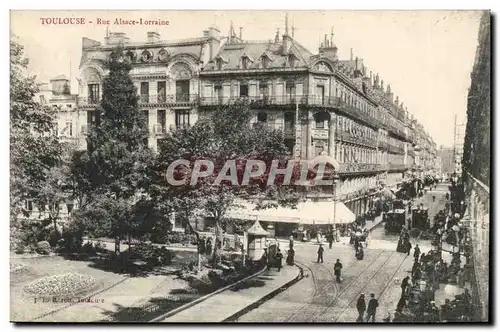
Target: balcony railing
<point>158,129</point>
<point>88,101</point>
<point>183,99</point>
<point>316,100</point>
<point>397,167</point>
<point>395,149</point>
<point>289,131</point>
<point>254,101</point>
<point>357,167</point>
<point>348,137</point>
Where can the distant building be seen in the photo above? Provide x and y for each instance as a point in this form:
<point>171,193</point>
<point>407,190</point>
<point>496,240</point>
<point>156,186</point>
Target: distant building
<point>447,160</point>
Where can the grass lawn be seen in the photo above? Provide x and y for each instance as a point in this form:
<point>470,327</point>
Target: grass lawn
<point>122,298</point>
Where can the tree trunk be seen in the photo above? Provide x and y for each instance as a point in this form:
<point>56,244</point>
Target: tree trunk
<point>117,246</point>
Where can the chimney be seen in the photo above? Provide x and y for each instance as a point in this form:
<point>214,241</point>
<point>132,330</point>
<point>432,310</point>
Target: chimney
<point>241,33</point>
<point>382,85</point>
<point>396,101</point>
<point>153,37</point>
<point>389,94</point>
<point>352,54</point>
<point>376,81</point>
<point>213,41</point>
<point>328,48</point>
<point>277,38</point>
<point>117,38</point>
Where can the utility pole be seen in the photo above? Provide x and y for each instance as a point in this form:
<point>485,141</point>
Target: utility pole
<point>454,142</point>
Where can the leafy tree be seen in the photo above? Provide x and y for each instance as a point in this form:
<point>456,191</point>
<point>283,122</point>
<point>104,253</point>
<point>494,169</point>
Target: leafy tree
<point>54,191</point>
<point>115,169</point>
<point>223,135</point>
<point>34,150</point>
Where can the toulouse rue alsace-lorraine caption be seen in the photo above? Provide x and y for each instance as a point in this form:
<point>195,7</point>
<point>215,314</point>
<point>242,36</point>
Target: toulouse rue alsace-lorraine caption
<point>250,166</point>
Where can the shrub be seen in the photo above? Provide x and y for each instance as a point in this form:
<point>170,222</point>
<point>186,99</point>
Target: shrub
<point>20,248</point>
<point>72,237</point>
<point>43,248</point>
<point>151,254</point>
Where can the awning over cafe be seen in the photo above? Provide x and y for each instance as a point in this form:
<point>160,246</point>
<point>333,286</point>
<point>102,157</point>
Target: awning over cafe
<point>309,213</point>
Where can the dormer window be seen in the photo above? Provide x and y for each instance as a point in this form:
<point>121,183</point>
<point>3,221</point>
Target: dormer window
<point>245,63</point>
<point>265,60</point>
<point>218,64</point>
<point>292,60</point>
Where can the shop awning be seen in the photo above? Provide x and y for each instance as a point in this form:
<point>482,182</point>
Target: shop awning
<point>309,213</point>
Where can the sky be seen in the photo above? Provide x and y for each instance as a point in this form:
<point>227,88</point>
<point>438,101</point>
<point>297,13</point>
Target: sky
<point>426,56</point>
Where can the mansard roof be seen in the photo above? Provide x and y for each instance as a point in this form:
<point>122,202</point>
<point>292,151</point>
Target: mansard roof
<point>254,51</point>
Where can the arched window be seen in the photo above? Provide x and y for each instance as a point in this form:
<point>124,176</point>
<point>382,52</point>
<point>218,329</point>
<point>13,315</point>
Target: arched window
<point>321,118</point>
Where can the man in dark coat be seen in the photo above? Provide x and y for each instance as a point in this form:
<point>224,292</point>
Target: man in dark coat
<point>416,252</point>
<point>401,304</point>
<point>320,253</point>
<point>408,248</point>
<point>404,284</point>
<point>372,308</point>
<point>361,306</point>
<point>279,258</point>
<point>338,270</point>
<point>329,237</point>
<point>290,259</point>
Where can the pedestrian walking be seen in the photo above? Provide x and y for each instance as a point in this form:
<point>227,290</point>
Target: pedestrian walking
<point>290,259</point>
<point>279,258</point>
<point>290,243</point>
<point>330,239</point>
<point>408,248</point>
<point>404,284</point>
<point>338,270</point>
<point>372,308</point>
<point>320,253</point>
<point>402,303</point>
<point>416,252</point>
<point>361,306</point>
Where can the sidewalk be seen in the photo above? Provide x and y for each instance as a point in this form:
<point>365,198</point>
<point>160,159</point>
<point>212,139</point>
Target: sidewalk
<point>233,301</point>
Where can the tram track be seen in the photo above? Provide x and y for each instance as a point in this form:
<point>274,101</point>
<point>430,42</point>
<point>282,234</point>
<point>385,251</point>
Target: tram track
<point>318,317</point>
<point>348,305</point>
<point>310,310</point>
<point>318,291</point>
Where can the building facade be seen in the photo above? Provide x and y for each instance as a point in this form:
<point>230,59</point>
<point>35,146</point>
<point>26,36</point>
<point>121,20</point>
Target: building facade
<point>477,167</point>
<point>322,104</point>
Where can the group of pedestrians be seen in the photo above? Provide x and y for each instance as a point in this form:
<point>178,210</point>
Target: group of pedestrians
<point>370,310</point>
